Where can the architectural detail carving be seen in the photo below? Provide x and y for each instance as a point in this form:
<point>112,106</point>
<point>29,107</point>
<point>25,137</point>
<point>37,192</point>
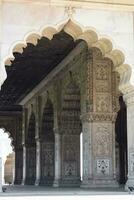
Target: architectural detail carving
<point>102,140</point>
<point>89,106</point>
<point>102,86</point>
<point>102,103</point>
<point>70,169</point>
<point>98,117</point>
<point>101,72</point>
<point>103,166</point>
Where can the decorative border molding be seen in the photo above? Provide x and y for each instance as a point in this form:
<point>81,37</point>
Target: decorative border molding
<point>90,117</point>
<point>95,4</point>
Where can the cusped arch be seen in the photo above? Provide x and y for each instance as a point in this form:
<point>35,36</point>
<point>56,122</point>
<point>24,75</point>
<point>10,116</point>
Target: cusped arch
<point>92,39</point>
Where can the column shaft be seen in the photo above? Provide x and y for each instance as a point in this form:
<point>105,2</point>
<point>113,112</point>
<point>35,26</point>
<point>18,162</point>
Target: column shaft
<point>37,162</point>
<point>57,158</point>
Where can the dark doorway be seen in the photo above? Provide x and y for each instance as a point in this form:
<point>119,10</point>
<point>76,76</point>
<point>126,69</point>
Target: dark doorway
<point>121,140</point>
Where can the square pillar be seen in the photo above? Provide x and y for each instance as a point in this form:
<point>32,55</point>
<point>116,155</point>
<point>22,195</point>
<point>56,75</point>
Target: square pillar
<point>99,167</point>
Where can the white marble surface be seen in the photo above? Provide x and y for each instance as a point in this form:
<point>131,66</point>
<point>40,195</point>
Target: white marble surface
<point>18,19</point>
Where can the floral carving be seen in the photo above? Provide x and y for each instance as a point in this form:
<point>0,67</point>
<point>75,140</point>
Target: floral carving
<point>102,103</point>
<point>103,166</point>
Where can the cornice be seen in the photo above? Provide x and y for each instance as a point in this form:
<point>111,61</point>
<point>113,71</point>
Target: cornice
<point>127,5</point>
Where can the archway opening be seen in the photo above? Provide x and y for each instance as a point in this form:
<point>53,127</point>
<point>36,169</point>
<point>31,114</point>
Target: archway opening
<point>47,145</point>
<point>6,149</point>
<point>31,152</point>
<point>40,53</point>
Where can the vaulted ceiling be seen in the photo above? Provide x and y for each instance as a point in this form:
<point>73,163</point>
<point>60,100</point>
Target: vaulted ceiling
<point>30,67</point>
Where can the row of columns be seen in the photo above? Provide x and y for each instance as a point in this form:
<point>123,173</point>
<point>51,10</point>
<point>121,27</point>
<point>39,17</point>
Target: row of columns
<point>57,174</point>
<point>87,151</point>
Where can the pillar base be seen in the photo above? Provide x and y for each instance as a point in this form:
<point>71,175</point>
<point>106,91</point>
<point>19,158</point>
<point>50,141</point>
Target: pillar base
<point>99,183</point>
<point>46,182</point>
<point>37,182</point>
<point>56,183</point>
<point>30,181</point>
<point>23,182</point>
<point>76,182</point>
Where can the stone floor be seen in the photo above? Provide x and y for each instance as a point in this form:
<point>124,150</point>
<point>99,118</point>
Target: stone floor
<point>47,193</point>
<point>41,191</point>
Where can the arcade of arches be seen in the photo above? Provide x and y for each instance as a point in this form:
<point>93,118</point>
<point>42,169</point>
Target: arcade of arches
<point>55,90</point>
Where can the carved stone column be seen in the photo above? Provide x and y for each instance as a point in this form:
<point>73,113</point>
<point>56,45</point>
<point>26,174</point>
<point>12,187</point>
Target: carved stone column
<point>87,151</point>
<point>57,177</point>
<point>129,99</point>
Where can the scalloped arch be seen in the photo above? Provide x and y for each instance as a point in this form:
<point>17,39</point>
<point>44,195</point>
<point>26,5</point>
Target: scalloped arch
<point>92,39</point>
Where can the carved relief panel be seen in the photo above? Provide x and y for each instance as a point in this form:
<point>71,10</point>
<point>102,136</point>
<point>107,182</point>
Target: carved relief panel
<point>102,103</point>
<point>102,139</point>
<point>102,85</point>
<point>103,166</point>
